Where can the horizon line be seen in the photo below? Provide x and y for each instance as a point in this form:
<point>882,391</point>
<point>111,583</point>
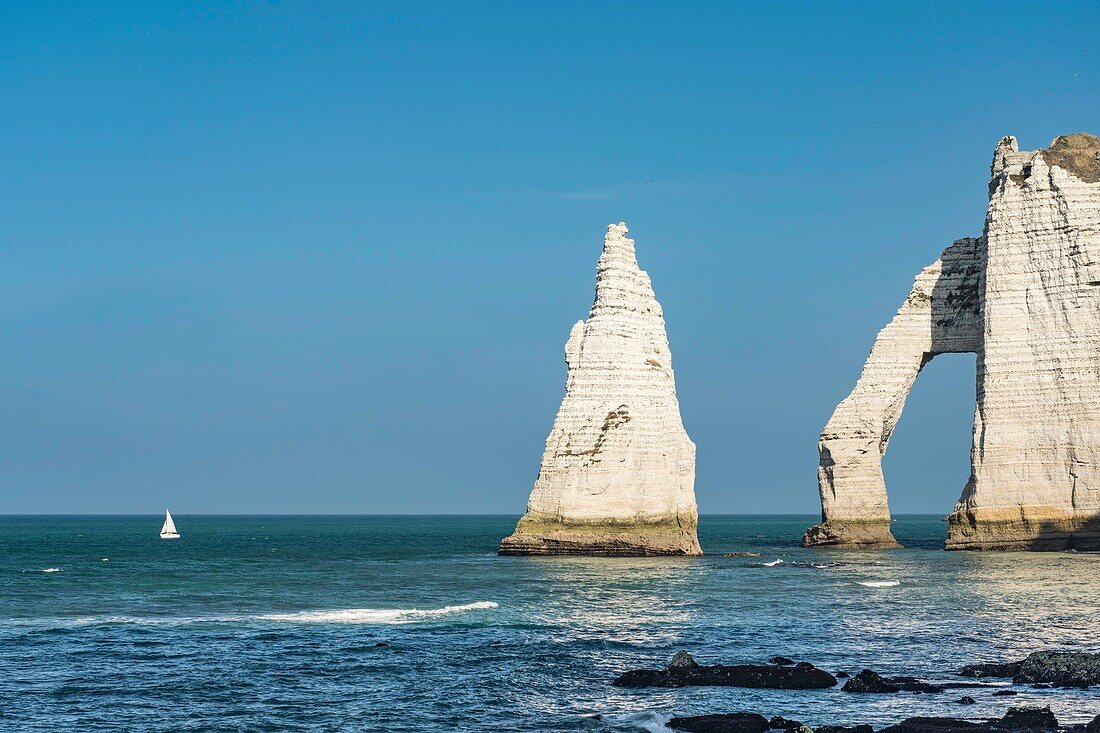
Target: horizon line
<point>402,514</point>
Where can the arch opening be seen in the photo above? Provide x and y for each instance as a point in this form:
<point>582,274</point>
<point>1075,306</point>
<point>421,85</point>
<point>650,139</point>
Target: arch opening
<point>927,465</point>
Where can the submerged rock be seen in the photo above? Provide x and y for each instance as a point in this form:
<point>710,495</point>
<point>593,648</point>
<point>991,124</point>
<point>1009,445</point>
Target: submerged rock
<point>1024,297</point>
<point>872,682</point>
<point>721,723</point>
<point>801,676</point>
<point>1007,669</point>
<point>618,472</point>
<point>742,554</point>
<point>781,661</point>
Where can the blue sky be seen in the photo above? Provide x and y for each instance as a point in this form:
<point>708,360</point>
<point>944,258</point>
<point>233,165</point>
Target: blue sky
<point>309,257</point>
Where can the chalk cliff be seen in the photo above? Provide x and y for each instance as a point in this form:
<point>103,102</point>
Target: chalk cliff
<point>1025,297</point>
<point>618,472</point>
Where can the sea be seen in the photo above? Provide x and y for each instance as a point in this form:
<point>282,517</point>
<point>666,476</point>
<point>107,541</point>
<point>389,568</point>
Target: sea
<point>413,623</point>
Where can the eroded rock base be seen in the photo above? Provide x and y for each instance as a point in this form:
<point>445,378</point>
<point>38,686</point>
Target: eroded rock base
<point>671,537</point>
<point>1022,528</point>
<point>871,535</point>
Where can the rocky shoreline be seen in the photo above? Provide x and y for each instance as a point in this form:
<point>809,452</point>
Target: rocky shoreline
<point>1016,720</point>
<point>1043,669</point>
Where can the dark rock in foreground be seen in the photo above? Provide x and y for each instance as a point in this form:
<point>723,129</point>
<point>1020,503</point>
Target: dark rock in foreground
<point>871,681</point>
<point>1008,669</point>
<point>682,659</point>
<point>686,672</point>
<point>725,723</point>
<point>1028,719</point>
<point>1064,669</point>
<point>781,661</point>
<point>1016,720</point>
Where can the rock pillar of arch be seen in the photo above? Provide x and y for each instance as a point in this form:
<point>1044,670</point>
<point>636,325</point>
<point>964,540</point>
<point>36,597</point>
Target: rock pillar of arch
<point>941,314</point>
<point>1025,297</point>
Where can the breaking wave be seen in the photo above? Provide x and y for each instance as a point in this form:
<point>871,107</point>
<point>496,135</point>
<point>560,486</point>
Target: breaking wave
<point>772,564</point>
<point>373,615</point>
<point>380,616</point>
<point>879,583</point>
<point>648,721</point>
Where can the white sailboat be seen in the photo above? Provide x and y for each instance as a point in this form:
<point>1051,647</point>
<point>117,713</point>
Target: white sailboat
<point>168,531</point>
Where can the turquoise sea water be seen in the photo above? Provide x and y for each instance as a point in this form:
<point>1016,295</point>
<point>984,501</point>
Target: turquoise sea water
<point>271,624</point>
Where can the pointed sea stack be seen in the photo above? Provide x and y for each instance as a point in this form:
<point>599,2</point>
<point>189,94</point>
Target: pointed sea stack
<point>618,472</point>
<point>1024,297</point>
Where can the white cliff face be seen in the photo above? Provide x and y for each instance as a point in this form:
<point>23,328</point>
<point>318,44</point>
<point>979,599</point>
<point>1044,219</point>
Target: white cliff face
<point>1036,452</point>
<point>618,472</point>
<point>1025,297</point>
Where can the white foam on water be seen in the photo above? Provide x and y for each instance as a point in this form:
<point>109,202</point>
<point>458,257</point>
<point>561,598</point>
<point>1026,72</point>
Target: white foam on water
<point>773,563</point>
<point>373,615</point>
<point>879,583</point>
<point>337,616</point>
<point>52,570</point>
<point>645,720</point>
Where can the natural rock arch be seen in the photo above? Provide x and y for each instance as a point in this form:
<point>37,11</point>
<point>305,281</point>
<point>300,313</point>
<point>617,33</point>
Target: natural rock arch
<point>1024,298</point>
<point>939,316</point>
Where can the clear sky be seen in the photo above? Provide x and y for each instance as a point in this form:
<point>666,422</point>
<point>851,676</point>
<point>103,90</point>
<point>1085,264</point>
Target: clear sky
<point>312,257</point>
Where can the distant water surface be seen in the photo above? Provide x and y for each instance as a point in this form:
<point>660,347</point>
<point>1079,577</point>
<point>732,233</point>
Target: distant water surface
<point>277,624</point>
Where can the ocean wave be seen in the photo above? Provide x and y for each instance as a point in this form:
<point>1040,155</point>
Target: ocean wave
<point>879,583</point>
<point>52,570</point>
<point>772,564</point>
<point>381,616</point>
<point>651,722</point>
<point>373,615</point>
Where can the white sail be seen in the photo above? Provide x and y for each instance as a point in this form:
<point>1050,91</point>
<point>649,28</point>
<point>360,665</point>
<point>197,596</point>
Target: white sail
<point>168,531</point>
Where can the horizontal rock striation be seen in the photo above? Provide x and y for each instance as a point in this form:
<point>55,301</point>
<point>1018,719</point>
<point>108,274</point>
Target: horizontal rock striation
<point>1036,456</point>
<point>1024,297</point>
<point>618,473</point>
